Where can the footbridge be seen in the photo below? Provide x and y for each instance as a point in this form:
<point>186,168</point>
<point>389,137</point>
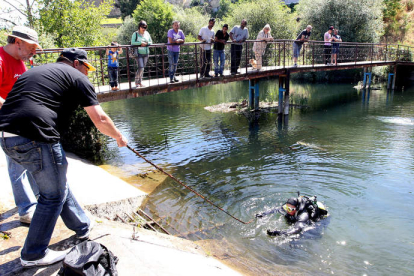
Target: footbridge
<point>277,61</point>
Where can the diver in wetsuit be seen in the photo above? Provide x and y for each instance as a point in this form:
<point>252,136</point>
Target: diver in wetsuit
<point>301,211</point>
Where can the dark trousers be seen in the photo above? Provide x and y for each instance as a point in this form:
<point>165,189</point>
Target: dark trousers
<point>205,62</point>
<point>236,52</point>
<point>113,76</point>
<point>327,52</point>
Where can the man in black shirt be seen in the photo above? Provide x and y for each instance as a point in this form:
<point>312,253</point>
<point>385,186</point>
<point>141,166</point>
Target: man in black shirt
<point>297,45</point>
<point>35,112</point>
<point>221,39</point>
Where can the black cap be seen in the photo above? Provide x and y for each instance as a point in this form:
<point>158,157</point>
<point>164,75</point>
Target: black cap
<point>77,54</point>
<point>331,27</point>
<point>293,201</point>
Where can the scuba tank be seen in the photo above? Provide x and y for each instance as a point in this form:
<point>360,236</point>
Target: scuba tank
<point>315,208</point>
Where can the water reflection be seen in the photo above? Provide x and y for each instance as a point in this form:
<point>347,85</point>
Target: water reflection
<point>354,150</point>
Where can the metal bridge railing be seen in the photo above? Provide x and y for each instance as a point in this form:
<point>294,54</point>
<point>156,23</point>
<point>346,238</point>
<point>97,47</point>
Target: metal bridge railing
<point>278,55</point>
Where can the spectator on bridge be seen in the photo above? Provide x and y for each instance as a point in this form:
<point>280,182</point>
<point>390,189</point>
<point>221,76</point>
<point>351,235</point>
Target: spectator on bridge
<point>259,48</point>
<point>113,64</point>
<point>206,36</point>
<point>21,46</point>
<point>335,46</point>
<point>297,44</point>
<point>238,35</point>
<point>175,38</point>
<point>143,39</point>
<point>37,110</point>
<point>221,39</point>
<point>327,37</point>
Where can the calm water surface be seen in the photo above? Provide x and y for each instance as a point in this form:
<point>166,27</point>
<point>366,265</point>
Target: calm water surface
<point>355,152</point>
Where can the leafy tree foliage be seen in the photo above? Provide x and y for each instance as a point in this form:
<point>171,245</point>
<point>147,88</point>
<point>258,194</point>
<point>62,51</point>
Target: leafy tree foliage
<point>259,13</point>
<point>74,23</point>
<point>126,30</point>
<point>158,15</point>
<point>359,21</point>
<point>127,7</point>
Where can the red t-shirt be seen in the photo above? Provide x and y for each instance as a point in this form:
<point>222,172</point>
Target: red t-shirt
<point>10,70</point>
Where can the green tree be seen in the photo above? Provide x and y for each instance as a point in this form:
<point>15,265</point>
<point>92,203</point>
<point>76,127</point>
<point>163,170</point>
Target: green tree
<point>158,15</point>
<point>127,7</point>
<point>359,21</point>
<point>74,23</point>
<point>223,8</point>
<point>126,30</point>
<point>259,13</point>
<point>191,21</point>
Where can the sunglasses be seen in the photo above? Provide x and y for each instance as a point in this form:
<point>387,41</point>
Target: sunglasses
<point>288,208</point>
<point>87,68</point>
<point>144,27</point>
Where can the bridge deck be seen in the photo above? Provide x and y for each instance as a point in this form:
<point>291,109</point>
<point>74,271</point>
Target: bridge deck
<point>162,85</point>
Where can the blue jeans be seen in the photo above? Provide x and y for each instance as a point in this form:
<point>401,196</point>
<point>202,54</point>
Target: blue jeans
<point>173,61</point>
<point>48,165</point>
<point>296,49</point>
<point>219,54</point>
<point>113,76</point>
<point>24,187</point>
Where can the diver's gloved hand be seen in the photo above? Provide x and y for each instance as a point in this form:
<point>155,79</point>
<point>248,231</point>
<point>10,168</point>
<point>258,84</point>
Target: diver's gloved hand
<point>274,233</point>
<point>259,215</point>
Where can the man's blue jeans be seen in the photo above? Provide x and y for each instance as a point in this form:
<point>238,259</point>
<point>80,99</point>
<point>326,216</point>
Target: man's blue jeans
<point>219,55</point>
<point>48,165</point>
<point>24,187</point>
<point>173,61</point>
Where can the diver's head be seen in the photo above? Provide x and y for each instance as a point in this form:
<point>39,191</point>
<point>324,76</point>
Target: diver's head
<point>291,206</point>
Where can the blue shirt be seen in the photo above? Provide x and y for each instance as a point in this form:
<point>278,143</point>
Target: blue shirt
<point>113,59</point>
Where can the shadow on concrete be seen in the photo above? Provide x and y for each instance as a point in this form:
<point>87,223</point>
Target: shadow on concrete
<point>8,214</point>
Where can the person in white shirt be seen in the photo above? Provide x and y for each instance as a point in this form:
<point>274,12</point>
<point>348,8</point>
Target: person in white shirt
<point>206,36</point>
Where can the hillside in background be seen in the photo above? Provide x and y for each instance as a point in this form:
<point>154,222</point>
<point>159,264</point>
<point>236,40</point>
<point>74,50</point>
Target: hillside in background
<point>399,22</point>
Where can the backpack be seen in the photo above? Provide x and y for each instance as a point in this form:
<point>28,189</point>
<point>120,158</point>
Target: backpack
<point>89,258</point>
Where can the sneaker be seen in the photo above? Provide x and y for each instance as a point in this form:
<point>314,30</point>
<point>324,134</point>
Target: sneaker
<point>208,77</point>
<point>176,80</point>
<point>172,81</point>
<point>51,257</point>
<point>86,235</point>
<point>27,218</point>
<point>216,75</point>
<point>295,65</point>
<point>233,73</point>
<point>221,75</point>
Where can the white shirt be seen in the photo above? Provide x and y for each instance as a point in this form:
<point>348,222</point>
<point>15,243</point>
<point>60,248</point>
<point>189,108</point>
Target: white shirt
<point>207,35</point>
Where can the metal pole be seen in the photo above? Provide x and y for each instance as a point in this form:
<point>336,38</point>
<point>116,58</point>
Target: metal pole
<point>395,77</point>
<point>247,50</point>
<point>287,88</point>
<point>196,61</point>
<point>281,89</point>
<point>284,54</point>
<point>256,95</point>
<point>163,68</point>
<point>102,71</point>
<point>313,55</point>
<point>128,71</point>
<point>251,93</point>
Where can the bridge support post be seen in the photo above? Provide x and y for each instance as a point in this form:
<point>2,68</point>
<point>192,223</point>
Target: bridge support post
<point>283,106</point>
<point>395,77</point>
<point>390,83</point>
<point>367,76</point>
<point>254,95</point>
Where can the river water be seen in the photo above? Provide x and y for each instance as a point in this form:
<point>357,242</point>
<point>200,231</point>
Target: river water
<point>352,149</point>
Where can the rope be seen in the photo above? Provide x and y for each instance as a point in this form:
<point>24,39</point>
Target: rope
<point>192,190</point>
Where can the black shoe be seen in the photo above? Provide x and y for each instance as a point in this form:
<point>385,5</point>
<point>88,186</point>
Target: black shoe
<point>208,77</point>
<point>176,80</point>
<point>215,75</point>
<point>233,73</point>
<point>221,75</point>
<point>171,81</point>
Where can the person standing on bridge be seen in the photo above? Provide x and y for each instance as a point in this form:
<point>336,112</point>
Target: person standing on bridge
<point>113,64</point>
<point>143,39</point>
<point>335,47</point>
<point>175,38</point>
<point>327,37</point>
<point>37,109</point>
<point>259,48</point>
<point>238,35</point>
<point>297,44</point>
<point>206,36</point>
<point>21,46</point>
<point>221,39</point>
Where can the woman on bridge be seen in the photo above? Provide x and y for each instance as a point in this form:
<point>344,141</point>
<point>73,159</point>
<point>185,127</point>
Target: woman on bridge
<point>259,48</point>
<point>143,39</point>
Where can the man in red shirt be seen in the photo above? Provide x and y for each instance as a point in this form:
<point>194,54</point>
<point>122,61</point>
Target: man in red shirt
<point>21,46</point>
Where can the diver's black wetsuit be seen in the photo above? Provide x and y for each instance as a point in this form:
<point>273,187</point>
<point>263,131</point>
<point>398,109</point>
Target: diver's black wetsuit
<point>306,213</point>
